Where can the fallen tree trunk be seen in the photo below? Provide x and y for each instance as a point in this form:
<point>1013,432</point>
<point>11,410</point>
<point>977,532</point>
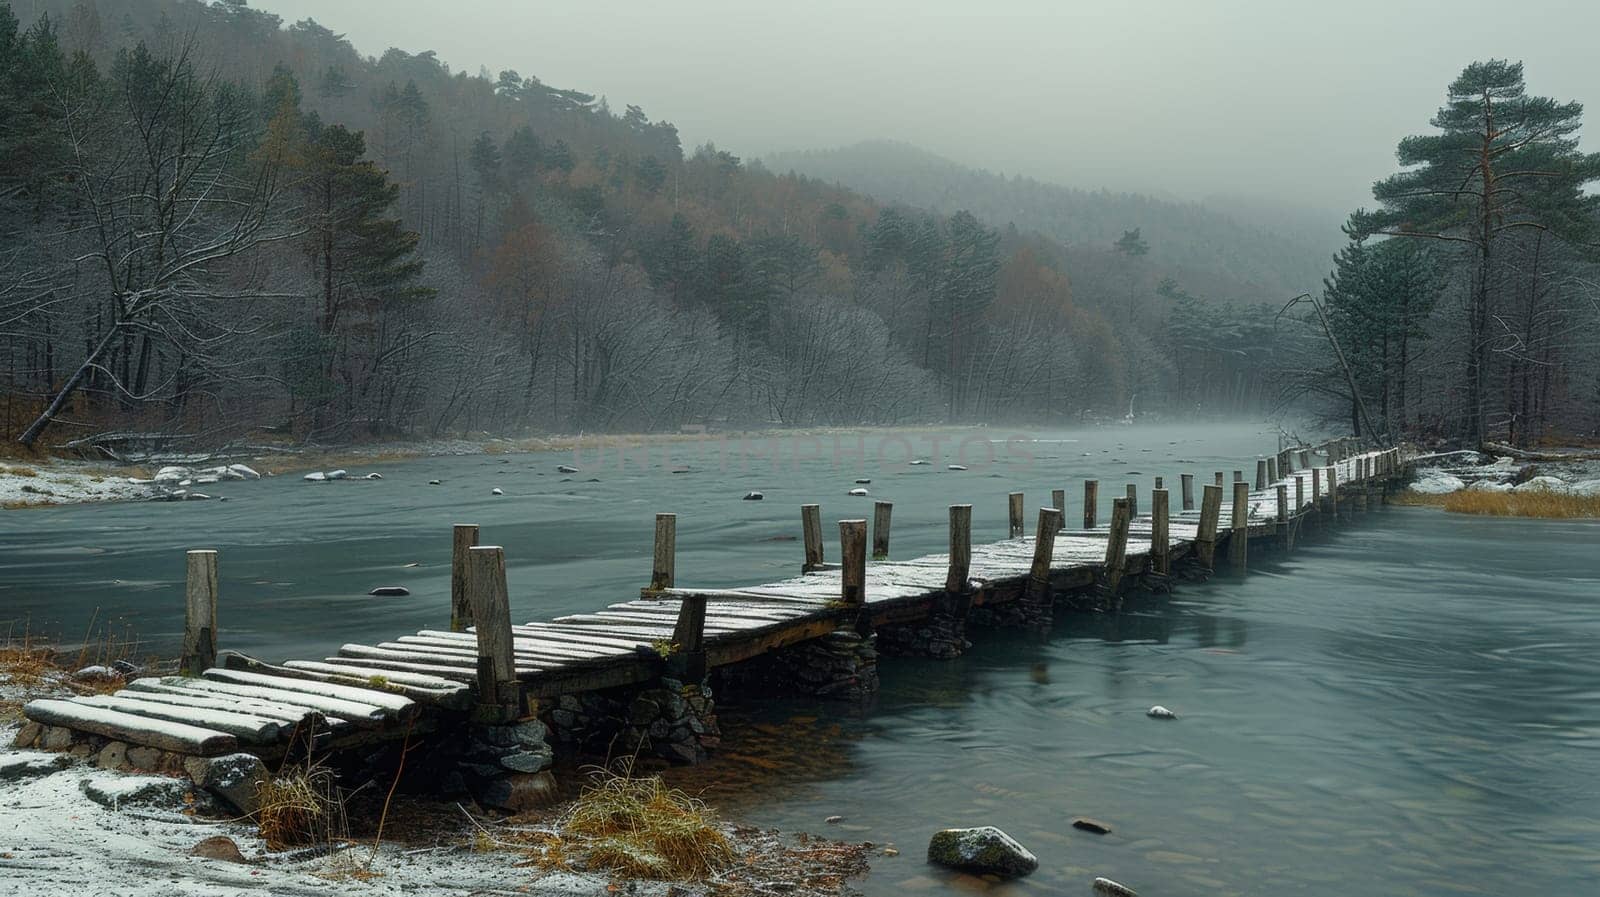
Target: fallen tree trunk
<point>1497,448</point>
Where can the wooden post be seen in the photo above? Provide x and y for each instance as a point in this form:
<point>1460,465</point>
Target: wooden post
<point>1272,470</point>
<point>1238,476</point>
<point>1117,544</point>
<point>811,528</point>
<point>1361,484</point>
<point>1239,536</point>
<point>1304,459</point>
<point>1090,515</point>
<point>200,613</point>
<point>689,639</point>
<point>1160,544</point>
<point>462,537</point>
<point>1186,487</point>
<point>1261,474</point>
<point>853,557</point>
<point>1044,544</point>
<point>1205,540</point>
<point>1158,484</point>
<point>880,529</point>
<point>1299,495</point>
<point>1316,488</point>
<point>1014,501</point>
<point>955,581</point>
<point>1133,500</point>
<point>1058,500</point>
<point>1219,478</point>
<point>1333,492</point>
<point>1283,513</point>
<point>499,695</point>
<point>1285,462</point>
<point>663,570</point>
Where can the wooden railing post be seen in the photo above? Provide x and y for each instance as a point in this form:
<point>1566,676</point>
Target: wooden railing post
<point>462,537</point>
<point>1186,486</point>
<point>1239,535</point>
<point>1304,459</point>
<point>1058,500</point>
<point>1160,544</point>
<point>1205,539</point>
<point>881,510</point>
<point>1299,496</point>
<point>499,694</point>
<point>663,570</point>
<point>811,530</point>
<point>1117,544</point>
<point>853,558</point>
<point>955,580</point>
<point>1219,479</point>
<point>1272,470</point>
<point>1316,488</point>
<point>1133,500</point>
<point>1090,514</point>
<point>689,640</point>
<point>1283,513</point>
<point>1238,476</point>
<point>1044,544</point>
<point>1159,484</point>
<point>1261,474</point>
<point>200,613</point>
<point>1014,513</point>
<point>1333,492</point>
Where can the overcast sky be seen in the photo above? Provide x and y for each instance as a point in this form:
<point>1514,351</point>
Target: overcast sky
<point>1300,102</point>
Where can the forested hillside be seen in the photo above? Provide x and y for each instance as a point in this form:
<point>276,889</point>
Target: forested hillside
<point>217,224</point>
<point>1212,252</point>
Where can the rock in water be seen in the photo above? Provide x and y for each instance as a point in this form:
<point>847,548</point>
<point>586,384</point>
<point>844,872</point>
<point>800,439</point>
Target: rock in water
<point>374,476</point>
<point>340,474</point>
<point>982,850</point>
<point>390,592</point>
<point>1108,888</point>
<point>433,482</point>
<point>497,491</point>
<point>317,477</point>
<point>1160,712</point>
<point>566,468</point>
<point>956,467</point>
<point>753,496</point>
<point>1091,825</point>
<point>245,471</point>
<point>858,492</point>
<point>862,482</point>
<point>918,462</point>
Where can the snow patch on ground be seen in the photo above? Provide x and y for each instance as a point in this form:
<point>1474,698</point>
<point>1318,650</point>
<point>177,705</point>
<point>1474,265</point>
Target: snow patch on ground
<point>1433,481</point>
<point>64,482</point>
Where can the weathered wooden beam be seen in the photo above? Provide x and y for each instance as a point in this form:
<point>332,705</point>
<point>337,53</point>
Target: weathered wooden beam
<point>1186,485</point>
<point>1239,535</point>
<point>881,512</point>
<point>1205,540</point>
<point>1333,492</point>
<point>1160,541</point>
<point>169,736</point>
<point>955,581</point>
<point>1058,500</point>
<point>1014,515</point>
<point>1261,474</point>
<point>462,537</point>
<point>1090,513</point>
<point>499,697</point>
<point>811,528</point>
<point>1044,541</point>
<point>1316,488</point>
<point>1299,495</point>
<point>1303,459</point>
<point>1282,490</point>
<point>239,723</point>
<point>1117,544</point>
<point>200,613</point>
<point>853,559</point>
<point>1133,500</point>
<point>664,563</point>
<point>1219,478</point>
<point>1272,470</point>
<point>689,639</point>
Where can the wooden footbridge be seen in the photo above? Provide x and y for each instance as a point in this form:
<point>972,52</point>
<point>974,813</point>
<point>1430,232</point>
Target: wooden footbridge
<point>484,668</point>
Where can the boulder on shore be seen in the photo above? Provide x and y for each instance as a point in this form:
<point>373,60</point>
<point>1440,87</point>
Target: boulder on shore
<point>1543,484</point>
<point>983,850</point>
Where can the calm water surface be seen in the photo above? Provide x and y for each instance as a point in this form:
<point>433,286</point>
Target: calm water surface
<point>1409,706</point>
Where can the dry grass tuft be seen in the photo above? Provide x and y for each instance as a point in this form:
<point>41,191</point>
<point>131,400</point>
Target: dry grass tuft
<point>301,806</point>
<point>1538,503</point>
<point>17,471</point>
<point>642,828</point>
<point>25,661</point>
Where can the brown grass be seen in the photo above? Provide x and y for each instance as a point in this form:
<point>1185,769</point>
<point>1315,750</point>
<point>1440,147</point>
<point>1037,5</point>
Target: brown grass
<point>1539,503</point>
<point>632,827</point>
<point>301,806</point>
<point>15,471</point>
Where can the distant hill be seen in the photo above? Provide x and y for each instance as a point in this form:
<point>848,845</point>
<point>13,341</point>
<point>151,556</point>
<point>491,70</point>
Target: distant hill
<point>1255,259</point>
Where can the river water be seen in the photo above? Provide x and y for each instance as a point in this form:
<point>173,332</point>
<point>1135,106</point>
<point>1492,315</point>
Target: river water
<point>1407,706</point>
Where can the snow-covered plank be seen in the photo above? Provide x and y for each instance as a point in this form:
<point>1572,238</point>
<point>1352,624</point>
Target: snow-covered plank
<point>393,703</point>
<point>239,724</point>
<point>157,733</point>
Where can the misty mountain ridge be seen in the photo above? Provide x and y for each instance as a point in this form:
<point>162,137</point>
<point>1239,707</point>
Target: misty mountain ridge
<point>1235,249</point>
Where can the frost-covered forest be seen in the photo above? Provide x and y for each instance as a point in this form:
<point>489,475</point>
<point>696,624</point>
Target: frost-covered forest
<point>219,226</point>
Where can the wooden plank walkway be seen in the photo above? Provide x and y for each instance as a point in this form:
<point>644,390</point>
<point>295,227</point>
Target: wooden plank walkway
<point>439,677</point>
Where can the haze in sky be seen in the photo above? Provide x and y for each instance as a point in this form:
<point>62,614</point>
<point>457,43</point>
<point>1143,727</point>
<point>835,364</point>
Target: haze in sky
<point>1298,103</point>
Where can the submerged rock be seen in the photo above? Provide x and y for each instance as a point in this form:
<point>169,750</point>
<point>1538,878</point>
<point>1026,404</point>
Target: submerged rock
<point>956,467</point>
<point>1160,712</point>
<point>390,592</point>
<point>1108,888</point>
<point>433,482</point>
<point>315,477</point>
<point>983,850</point>
<point>753,496</point>
<point>245,471</point>
<point>374,476</point>
<point>497,491</point>
<point>1084,823</point>
<point>566,468</point>
<point>918,462</point>
<point>858,492</point>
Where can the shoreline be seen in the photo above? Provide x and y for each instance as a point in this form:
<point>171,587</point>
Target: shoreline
<point>50,481</point>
